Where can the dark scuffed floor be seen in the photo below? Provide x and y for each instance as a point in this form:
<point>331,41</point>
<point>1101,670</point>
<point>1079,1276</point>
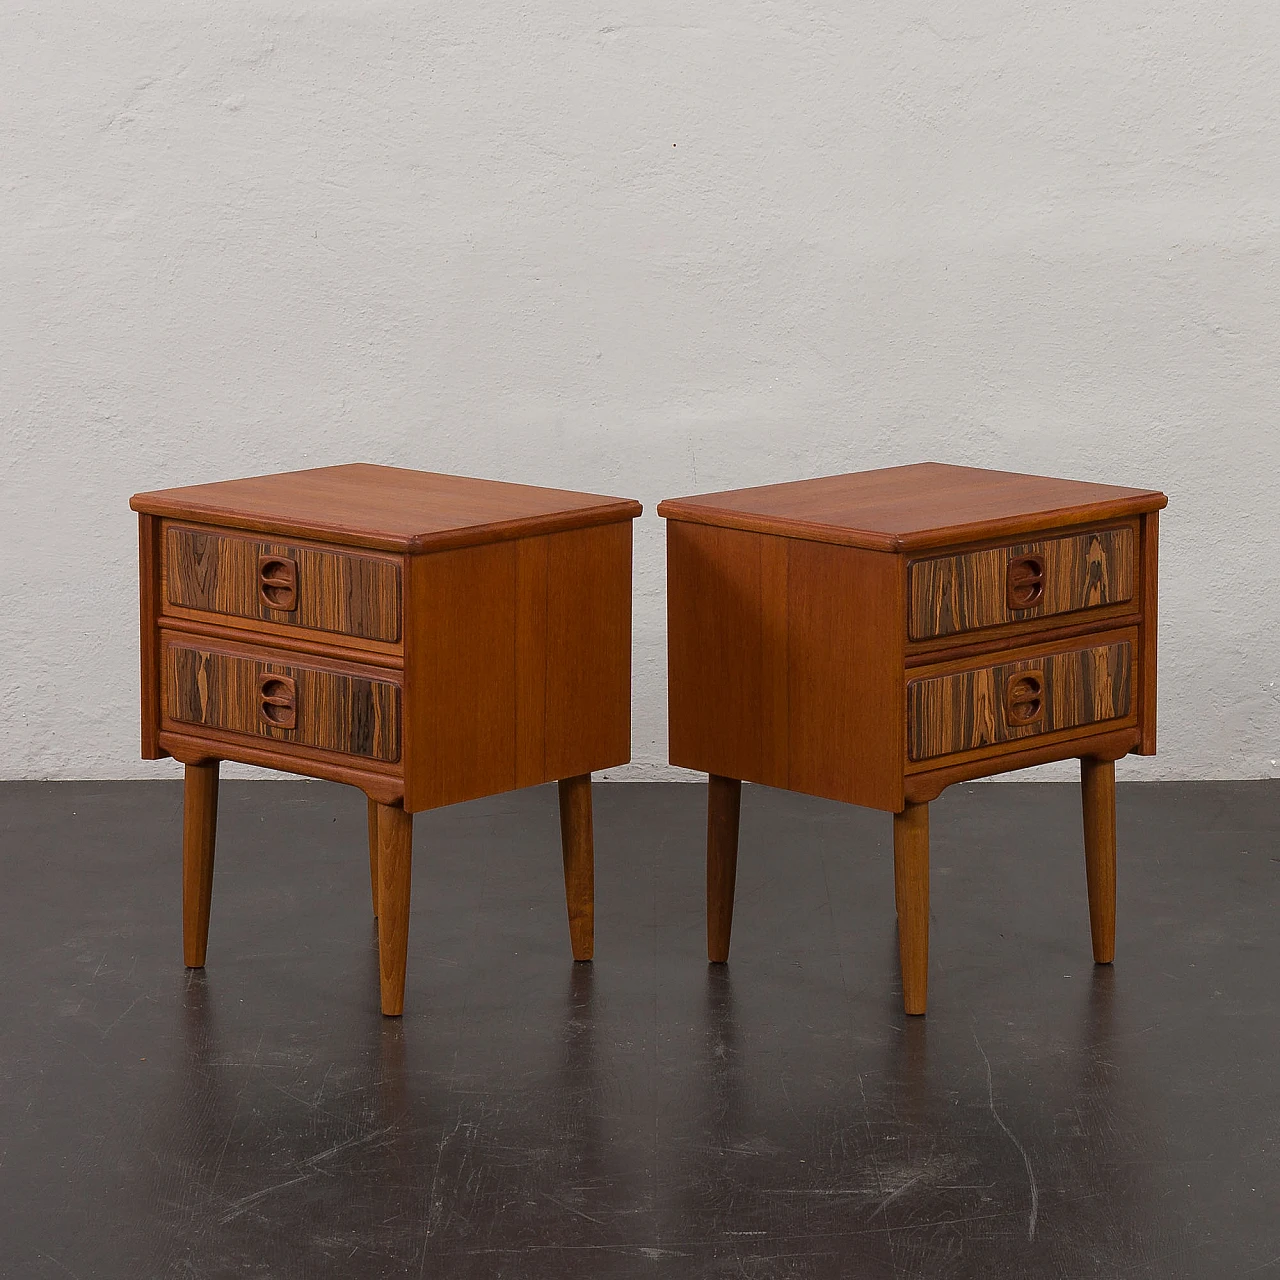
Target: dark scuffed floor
<point>645,1115</point>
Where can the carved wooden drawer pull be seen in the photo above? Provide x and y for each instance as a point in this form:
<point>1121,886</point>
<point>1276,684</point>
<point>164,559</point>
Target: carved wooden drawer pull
<point>277,701</point>
<point>1024,582</point>
<point>1024,697</point>
<point>278,582</point>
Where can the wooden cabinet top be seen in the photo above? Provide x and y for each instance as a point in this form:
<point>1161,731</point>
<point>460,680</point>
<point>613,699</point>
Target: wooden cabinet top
<point>927,504</point>
<point>389,508</point>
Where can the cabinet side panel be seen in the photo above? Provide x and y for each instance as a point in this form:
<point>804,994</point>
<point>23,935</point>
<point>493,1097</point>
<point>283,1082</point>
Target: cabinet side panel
<point>726,652</point>
<point>459,696</point>
<point>531,661</point>
<point>847,643</point>
<point>587,611</point>
<point>148,634</point>
<point>1149,586</point>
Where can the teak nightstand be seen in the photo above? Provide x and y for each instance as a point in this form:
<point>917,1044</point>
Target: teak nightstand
<point>875,637</point>
<point>426,638</point>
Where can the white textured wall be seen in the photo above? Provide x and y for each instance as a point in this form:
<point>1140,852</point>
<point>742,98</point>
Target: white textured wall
<point>640,248</point>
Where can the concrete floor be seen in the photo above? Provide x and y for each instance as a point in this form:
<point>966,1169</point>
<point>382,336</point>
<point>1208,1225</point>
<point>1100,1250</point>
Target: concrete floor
<point>644,1115</point>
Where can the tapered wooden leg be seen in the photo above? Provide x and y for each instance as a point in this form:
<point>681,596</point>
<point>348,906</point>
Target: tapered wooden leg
<point>373,854</point>
<point>1098,792</point>
<point>199,831</point>
<point>911,889</point>
<point>395,858</point>
<point>579,863</point>
<point>724,806</point>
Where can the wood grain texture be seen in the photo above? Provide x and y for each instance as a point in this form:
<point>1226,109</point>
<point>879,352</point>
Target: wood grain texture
<point>199,836</point>
<point>577,846</point>
<point>339,711</point>
<point>929,784</point>
<point>1149,631</point>
<point>1057,631</point>
<point>846,636</point>
<point>785,663</point>
<point>149,597</point>
<point>391,508</point>
<point>373,806</point>
<point>911,893</point>
<point>775,658</point>
<point>588,650</point>
<point>947,595</point>
<point>999,756</point>
<point>517,664</point>
<point>460,644</point>
<point>726,684</point>
<point>928,504</point>
<point>1098,796</point>
<point>724,808</point>
<point>531,661</point>
<point>959,712</point>
<point>337,591</point>
<point>191,744</point>
<point>309,645</point>
<point>395,874</point>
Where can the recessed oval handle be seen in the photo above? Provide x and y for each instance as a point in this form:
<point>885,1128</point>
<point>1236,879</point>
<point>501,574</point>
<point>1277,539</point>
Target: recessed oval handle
<point>278,582</point>
<point>1024,582</point>
<point>278,700</point>
<point>1024,698</point>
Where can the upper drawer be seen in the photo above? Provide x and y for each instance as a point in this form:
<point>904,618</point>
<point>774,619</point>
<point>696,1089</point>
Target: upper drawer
<point>289,584</point>
<point>976,589</point>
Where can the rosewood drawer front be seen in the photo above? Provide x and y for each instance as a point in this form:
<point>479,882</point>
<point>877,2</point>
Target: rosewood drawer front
<point>282,699</point>
<point>1018,699</point>
<point>288,584</point>
<point>975,589</point>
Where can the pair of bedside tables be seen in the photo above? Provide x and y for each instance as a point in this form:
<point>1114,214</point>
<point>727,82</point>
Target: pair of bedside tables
<point>870,638</point>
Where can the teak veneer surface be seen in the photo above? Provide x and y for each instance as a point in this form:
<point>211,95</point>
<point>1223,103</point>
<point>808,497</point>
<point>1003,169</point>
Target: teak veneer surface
<point>360,504</point>
<point>785,663</point>
<point>518,664</point>
<point>927,504</point>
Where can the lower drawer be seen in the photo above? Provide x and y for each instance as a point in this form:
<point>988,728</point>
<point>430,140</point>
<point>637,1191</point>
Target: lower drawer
<point>274,695</point>
<point>1018,698</point>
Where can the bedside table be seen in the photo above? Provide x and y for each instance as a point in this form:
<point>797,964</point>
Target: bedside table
<point>875,637</point>
<point>426,638</point>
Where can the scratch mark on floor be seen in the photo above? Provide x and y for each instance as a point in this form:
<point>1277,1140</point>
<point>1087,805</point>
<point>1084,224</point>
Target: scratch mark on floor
<point>1022,1151</point>
<point>893,1195</point>
<point>323,1085</point>
<point>116,1022</point>
<point>237,1207</point>
<point>62,1266</point>
<point>568,1208</point>
<point>235,1115</point>
<point>432,1219</point>
<point>359,1140</point>
<point>1270,1262</point>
